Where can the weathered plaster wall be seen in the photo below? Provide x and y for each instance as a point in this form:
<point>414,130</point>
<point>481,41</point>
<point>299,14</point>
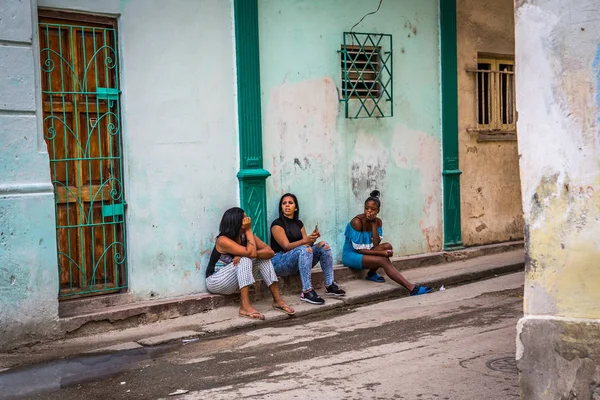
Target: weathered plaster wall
<point>558,65</point>
<point>332,163</point>
<point>560,153</point>
<point>491,209</point>
<point>561,359</point>
<point>28,265</point>
<point>180,134</point>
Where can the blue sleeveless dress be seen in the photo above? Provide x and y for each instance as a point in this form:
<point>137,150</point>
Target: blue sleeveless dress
<point>356,240</point>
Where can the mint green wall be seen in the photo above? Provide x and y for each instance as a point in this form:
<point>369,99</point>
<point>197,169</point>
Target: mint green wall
<point>179,133</point>
<point>331,163</point>
<point>179,115</point>
<point>181,138</point>
<point>28,264</point>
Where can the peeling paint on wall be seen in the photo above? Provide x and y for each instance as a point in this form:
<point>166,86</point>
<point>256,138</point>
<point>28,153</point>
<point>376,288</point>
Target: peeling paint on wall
<point>369,165</point>
<point>420,152</point>
<point>332,163</point>
<point>560,106</point>
<point>491,208</point>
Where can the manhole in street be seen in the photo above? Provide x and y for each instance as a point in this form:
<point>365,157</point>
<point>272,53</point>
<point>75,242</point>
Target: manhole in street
<point>508,365</point>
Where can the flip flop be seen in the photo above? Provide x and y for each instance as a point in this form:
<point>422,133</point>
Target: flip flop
<point>286,309</point>
<point>375,278</point>
<point>419,290</point>
<point>254,315</point>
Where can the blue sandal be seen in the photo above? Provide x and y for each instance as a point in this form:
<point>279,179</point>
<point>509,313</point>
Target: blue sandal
<point>375,277</point>
<point>418,290</point>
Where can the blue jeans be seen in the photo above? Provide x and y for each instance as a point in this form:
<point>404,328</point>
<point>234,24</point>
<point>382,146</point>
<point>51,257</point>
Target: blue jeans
<point>300,260</point>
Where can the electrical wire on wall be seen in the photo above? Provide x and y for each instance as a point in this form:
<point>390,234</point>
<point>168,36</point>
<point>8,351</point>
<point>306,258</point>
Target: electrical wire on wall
<point>366,15</point>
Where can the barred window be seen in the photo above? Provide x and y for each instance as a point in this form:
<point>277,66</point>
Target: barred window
<point>360,70</point>
<point>495,95</point>
<point>366,75</point>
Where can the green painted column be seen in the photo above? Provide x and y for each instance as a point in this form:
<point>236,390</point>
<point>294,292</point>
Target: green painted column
<point>252,176</point>
<point>451,172</point>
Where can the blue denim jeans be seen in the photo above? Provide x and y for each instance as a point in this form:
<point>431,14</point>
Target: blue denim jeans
<point>301,261</point>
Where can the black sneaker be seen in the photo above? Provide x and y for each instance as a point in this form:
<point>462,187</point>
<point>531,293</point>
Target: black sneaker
<point>312,297</point>
<point>334,290</point>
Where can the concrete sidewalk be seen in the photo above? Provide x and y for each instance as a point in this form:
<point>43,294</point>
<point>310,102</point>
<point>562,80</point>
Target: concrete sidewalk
<point>101,336</point>
<point>119,311</point>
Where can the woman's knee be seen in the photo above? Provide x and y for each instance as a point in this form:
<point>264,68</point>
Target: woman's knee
<point>324,246</point>
<point>387,246</point>
<point>325,252</point>
<point>386,264</point>
<point>304,250</point>
<point>245,261</point>
<point>264,263</point>
<point>244,266</point>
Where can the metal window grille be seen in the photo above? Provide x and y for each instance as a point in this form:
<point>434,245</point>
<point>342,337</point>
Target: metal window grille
<point>82,129</point>
<point>367,81</point>
<point>495,96</point>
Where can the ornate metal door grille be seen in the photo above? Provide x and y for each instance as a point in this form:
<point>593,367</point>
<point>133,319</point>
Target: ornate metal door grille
<point>82,129</point>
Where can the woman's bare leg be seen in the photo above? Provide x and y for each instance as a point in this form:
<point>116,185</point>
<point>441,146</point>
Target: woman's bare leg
<point>245,306</point>
<point>375,262</point>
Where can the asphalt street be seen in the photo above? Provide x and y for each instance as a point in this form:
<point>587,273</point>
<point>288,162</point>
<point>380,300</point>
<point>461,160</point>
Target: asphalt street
<point>452,344</point>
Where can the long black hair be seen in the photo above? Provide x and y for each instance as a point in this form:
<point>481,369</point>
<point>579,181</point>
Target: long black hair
<point>374,197</point>
<point>231,223</point>
<point>296,211</point>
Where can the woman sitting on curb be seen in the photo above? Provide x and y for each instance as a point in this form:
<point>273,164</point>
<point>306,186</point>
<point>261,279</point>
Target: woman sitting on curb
<point>295,252</point>
<point>363,248</point>
<point>235,261</point>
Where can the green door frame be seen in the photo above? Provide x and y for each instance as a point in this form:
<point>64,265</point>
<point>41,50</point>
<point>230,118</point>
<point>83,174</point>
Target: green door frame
<point>252,176</point>
<point>451,172</point>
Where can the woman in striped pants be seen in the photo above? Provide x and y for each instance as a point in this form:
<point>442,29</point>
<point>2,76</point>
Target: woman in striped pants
<point>237,258</point>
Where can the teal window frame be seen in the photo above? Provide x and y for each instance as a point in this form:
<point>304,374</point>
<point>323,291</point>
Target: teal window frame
<point>367,65</point>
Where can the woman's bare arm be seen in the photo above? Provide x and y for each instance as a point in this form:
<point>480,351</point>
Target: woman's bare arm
<point>281,238</point>
<point>227,246</point>
<point>264,251</point>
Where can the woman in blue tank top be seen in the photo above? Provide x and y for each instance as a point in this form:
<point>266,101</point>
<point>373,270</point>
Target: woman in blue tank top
<point>364,249</point>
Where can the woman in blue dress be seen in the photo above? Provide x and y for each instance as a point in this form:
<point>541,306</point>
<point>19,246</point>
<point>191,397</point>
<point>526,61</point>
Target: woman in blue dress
<point>363,248</point>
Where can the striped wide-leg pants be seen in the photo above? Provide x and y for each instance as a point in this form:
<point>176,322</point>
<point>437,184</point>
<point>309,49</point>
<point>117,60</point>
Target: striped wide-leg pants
<point>231,278</point>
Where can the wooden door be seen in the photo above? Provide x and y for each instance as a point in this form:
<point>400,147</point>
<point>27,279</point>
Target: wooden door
<point>82,129</point>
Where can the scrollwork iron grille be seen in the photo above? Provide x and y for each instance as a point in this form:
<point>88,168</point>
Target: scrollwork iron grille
<point>367,75</point>
<point>82,129</point>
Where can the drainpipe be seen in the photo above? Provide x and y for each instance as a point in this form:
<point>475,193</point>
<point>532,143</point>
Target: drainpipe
<point>451,172</point>
<point>252,176</point>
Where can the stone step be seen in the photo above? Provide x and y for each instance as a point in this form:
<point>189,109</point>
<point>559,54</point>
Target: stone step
<point>130,314</point>
<point>198,303</point>
<point>342,274</point>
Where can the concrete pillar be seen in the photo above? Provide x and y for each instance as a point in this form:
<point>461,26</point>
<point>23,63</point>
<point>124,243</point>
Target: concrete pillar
<point>28,262</point>
<point>558,100</point>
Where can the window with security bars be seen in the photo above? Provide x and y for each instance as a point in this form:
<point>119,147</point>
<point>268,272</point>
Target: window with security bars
<point>361,78</point>
<point>366,66</point>
<point>495,95</point>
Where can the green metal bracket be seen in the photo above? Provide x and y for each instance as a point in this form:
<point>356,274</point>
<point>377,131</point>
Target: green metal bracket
<point>451,172</point>
<point>113,210</point>
<point>107,93</point>
<point>252,176</point>
<point>367,75</point>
